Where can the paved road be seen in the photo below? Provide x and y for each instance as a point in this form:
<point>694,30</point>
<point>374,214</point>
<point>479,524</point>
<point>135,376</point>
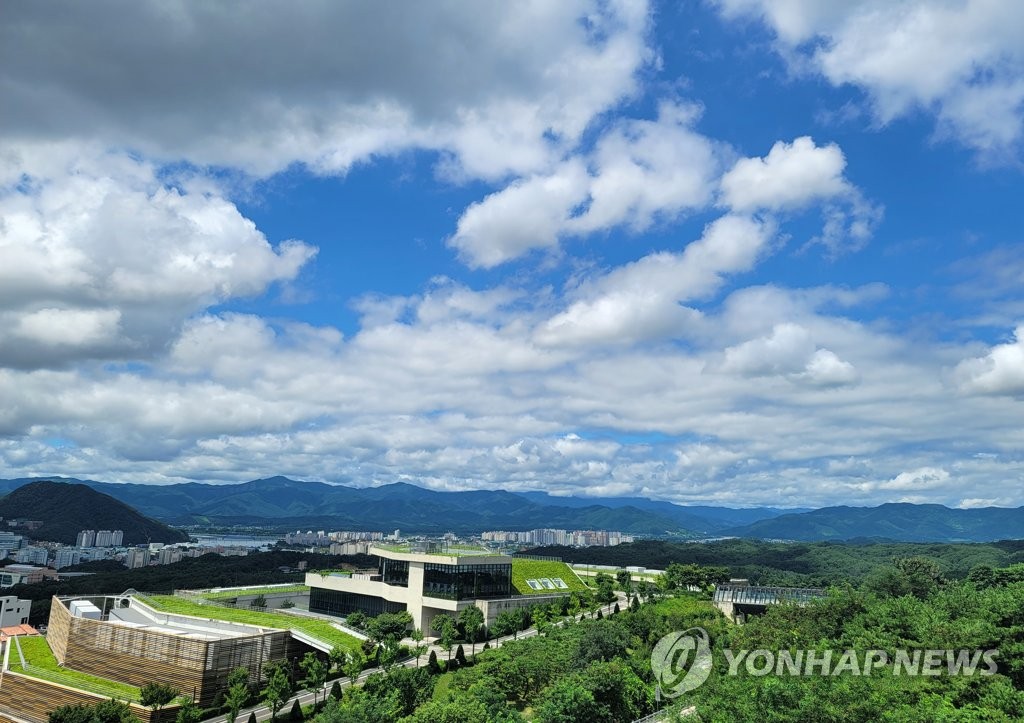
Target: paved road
<point>306,697</point>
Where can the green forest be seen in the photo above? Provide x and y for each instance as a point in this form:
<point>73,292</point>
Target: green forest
<point>804,564</point>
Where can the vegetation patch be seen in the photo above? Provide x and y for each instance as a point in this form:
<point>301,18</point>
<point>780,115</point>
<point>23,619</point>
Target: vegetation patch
<point>524,570</point>
<point>320,629</point>
<point>40,663</point>
<point>264,590</point>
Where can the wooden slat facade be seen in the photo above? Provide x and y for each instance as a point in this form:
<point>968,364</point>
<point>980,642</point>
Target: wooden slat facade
<point>131,655</point>
<point>32,699</point>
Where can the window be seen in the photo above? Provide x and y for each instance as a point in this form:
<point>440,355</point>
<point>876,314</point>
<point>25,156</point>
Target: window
<point>466,582</point>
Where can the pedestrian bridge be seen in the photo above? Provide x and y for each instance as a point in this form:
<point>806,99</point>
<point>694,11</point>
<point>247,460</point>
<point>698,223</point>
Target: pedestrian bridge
<point>738,601</point>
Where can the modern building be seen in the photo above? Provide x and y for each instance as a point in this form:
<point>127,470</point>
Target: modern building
<point>14,611</point>
<point>122,638</point>
<point>86,538</point>
<point>423,582</point>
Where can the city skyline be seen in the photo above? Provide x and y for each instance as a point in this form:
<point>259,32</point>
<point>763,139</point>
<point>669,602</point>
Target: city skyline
<point>732,252</point>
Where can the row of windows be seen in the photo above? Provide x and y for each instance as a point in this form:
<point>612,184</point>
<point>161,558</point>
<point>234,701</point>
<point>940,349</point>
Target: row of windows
<point>467,582</point>
<point>394,572</point>
<point>336,602</point>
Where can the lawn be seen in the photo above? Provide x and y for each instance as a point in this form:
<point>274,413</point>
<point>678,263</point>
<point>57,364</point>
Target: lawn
<point>524,569</point>
<point>230,594</point>
<point>42,664</point>
<point>320,629</point>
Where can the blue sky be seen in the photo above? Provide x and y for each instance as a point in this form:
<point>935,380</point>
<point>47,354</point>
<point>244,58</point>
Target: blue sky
<point>733,252</point>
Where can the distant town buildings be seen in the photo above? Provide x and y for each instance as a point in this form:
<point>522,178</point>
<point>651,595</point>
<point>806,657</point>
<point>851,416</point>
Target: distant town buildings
<point>66,557</point>
<point>574,538</point>
<point>32,555</point>
<point>326,539</point>
<point>103,538</point>
<point>10,542</point>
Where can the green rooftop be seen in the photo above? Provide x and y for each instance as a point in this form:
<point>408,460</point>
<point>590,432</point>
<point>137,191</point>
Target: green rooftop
<point>41,663</point>
<point>259,590</point>
<point>532,577</point>
<point>314,627</point>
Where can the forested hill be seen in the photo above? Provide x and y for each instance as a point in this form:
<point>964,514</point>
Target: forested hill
<point>896,521</point>
<point>800,564</point>
<point>65,509</point>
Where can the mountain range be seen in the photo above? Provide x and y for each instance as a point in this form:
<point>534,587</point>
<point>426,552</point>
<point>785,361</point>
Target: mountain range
<point>902,522</point>
<point>285,503</point>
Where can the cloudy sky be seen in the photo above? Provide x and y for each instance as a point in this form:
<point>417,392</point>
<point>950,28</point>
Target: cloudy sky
<point>734,252</point>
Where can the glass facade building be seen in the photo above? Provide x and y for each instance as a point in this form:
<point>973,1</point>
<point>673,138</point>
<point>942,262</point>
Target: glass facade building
<point>336,602</point>
<point>394,572</point>
<point>467,582</point>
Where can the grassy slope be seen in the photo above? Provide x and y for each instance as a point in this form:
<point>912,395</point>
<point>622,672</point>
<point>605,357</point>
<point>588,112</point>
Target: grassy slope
<point>523,570</point>
<point>43,665</point>
<point>317,628</point>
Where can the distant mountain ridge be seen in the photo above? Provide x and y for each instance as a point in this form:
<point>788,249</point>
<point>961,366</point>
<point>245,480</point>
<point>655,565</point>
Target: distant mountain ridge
<point>66,509</point>
<point>278,500</point>
<point>285,502</point>
<point>898,521</point>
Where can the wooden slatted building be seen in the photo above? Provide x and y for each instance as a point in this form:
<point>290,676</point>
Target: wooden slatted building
<point>130,642</point>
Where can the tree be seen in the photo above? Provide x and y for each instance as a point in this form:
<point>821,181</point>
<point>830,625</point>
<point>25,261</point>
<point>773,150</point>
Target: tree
<point>356,619</point>
<point>336,691</point>
<point>432,665</point>
<point>275,694</point>
<point>77,713</point>
<point>625,580</point>
<point>252,716</point>
<point>419,648</point>
<point>189,712</point>
<point>388,629</point>
<point>337,658</point>
<point>445,625</point>
<point>507,623</point>
<point>605,588</point>
<point>113,711</point>
<point>157,695</point>
<point>460,656</point>
<point>238,692</point>
<point>354,664</point>
<point>296,712</point>
<point>315,671</point>
<point>260,602</point>
<point>472,619</point>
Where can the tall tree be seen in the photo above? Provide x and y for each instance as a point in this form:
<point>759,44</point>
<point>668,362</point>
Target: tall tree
<point>445,625</point>
<point>354,664</point>
<point>278,687</point>
<point>472,619</point>
<point>238,692</point>
<point>315,671</point>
